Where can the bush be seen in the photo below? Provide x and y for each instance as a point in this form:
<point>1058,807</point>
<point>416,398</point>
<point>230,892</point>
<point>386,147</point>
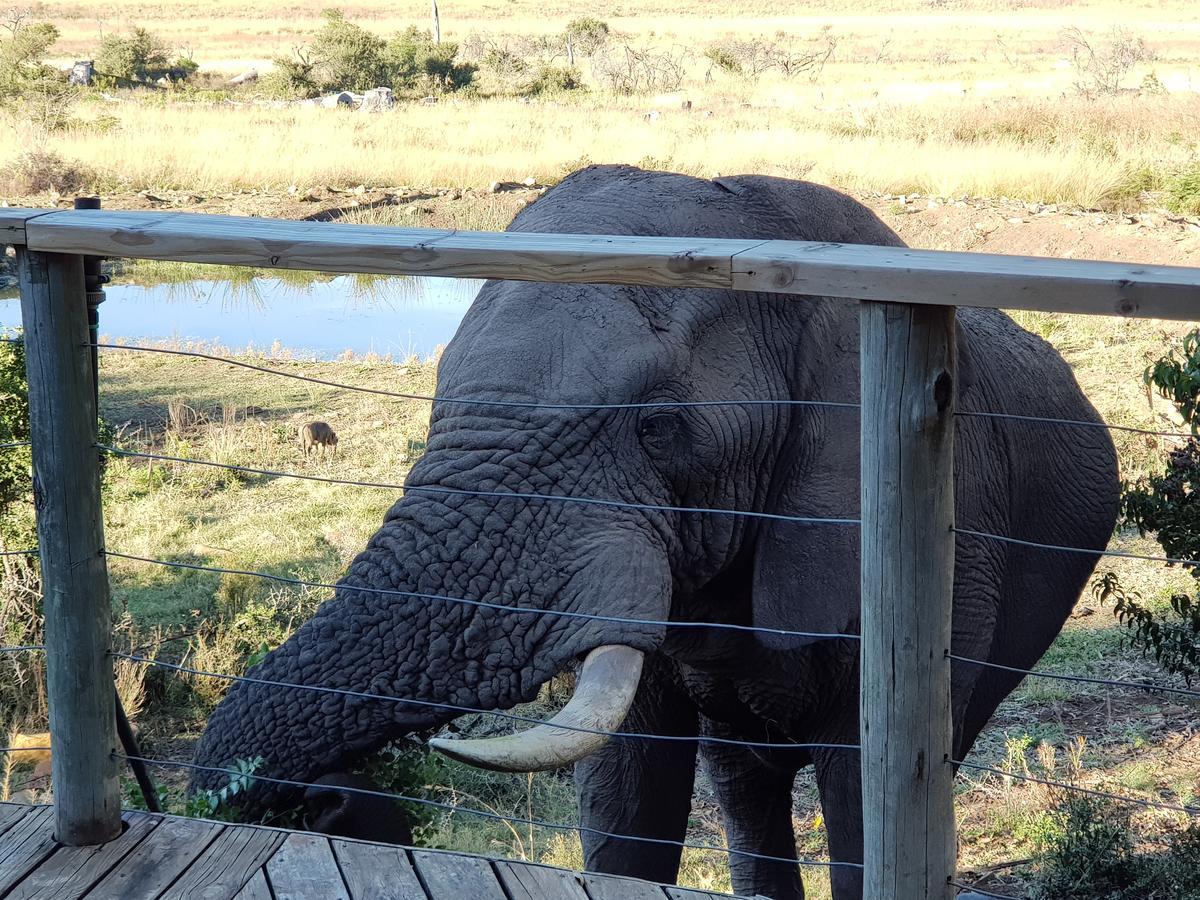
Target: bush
<point>28,87</point>
<point>1167,505</point>
<point>585,35</point>
<point>293,77</point>
<point>552,80</point>
<point>412,59</point>
<point>140,58</point>
<point>1101,67</point>
<point>635,70</point>
<point>347,56</point>
<point>41,171</point>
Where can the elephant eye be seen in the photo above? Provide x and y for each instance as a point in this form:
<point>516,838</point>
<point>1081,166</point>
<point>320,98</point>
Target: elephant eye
<point>658,430</point>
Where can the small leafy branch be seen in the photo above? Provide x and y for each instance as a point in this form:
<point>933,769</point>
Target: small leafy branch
<point>1175,644</point>
<point>208,804</point>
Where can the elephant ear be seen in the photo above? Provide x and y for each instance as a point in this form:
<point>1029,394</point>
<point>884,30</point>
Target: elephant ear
<point>806,575</point>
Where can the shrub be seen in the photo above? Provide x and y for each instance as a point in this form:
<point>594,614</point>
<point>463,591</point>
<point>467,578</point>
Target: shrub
<point>40,171</point>
<point>412,59</point>
<point>634,70</point>
<point>1167,505</point>
<point>292,77</point>
<point>140,58</point>
<point>585,35</point>
<point>346,56</point>
<point>1183,190</point>
<point>552,80</point>
<point>1101,66</point>
<point>29,87</point>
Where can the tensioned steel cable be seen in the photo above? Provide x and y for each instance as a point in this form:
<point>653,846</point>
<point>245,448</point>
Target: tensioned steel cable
<point>513,495</point>
<point>449,807</point>
<point>26,648</point>
<point>568,614</point>
<point>527,720</point>
<point>1150,687</point>
<point>520,404</point>
<point>1037,545</point>
<point>665,404</point>
<point>1154,804</point>
<point>986,893</point>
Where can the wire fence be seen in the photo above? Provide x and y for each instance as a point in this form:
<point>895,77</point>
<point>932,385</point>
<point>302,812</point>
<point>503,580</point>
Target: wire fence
<point>509,608</point>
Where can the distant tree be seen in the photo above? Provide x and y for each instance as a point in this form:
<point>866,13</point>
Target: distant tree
<point>346,56</point>
<point>140,58</point>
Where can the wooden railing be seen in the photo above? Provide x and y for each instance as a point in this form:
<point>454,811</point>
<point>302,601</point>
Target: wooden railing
<point>908,298</point>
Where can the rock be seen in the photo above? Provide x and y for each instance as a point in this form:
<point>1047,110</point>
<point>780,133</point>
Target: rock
<point>530,182</point>
<point>248,77</point>
<point>454,195</point>
<point>429,101</point>
<point>358,190</point>
<point>309,196</point>
<point>1017,220</point>
<point>378,100</point>
<point>652,116</point>
<point>685,105</point>
<point>82,73</point>
<point>341,98</point>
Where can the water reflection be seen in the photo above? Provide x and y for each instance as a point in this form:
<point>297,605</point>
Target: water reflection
<point>323,315</point>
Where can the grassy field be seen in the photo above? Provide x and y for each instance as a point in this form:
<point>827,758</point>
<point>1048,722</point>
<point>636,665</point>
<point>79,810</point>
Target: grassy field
<point>974,99</point>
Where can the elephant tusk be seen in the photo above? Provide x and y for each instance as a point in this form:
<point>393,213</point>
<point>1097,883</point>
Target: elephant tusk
<point>602,698</point>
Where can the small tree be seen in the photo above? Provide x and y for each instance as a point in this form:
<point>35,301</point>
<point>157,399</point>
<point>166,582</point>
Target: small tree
<point>1168,506</point>
<point>584,35</point>
<point>140,58</point>
<point>29,87</point>
<point>412,59</point>
<point>346,56</point>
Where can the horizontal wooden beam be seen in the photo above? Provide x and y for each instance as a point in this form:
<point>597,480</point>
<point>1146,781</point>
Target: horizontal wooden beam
<point>317,246</point>
<point>896,274</point>
<point>12,224</point>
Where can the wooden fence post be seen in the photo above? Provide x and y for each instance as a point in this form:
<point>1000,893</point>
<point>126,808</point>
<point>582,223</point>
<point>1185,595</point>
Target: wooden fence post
<point>66,467</point>
<point>908,372</point>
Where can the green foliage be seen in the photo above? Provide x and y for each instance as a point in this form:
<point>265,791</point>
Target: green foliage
<point>347,56</point>
<point>1089,854</point>
<point>16,484</point>
<point>408,769</point>
<point>1175,644</point>
<point>1167,504</point>
<point>140,58</point>
<point>28,87</point>
<point>1182,190</point>
<point>586,34</point>
<point>217,804</point>
<point>724,59</point>
<point>413,59</point>
<point>292,77</point>
<point>552,80</point>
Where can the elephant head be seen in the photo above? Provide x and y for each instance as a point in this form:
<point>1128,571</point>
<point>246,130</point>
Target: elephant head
<point>552,518</point>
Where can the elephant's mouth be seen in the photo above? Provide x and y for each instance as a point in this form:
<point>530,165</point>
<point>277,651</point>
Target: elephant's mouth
<point>603,695</point>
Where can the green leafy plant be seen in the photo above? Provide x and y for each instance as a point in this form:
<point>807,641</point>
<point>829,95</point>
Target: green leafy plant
<point>28,87</point>
<point>1167,505</point>
<point>139,58</point>
<point>585,35</point>
<point>217,803</point>
<point>347,56</point>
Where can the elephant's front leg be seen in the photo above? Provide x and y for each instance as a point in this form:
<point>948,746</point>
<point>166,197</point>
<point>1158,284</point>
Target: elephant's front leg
<point>756,800</point>
<point>839,779</point>
<point>640,787</point>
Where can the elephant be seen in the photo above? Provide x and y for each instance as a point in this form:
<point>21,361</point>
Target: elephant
<point>643,398</point>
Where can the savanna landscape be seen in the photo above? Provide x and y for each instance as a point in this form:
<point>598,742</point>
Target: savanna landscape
<point>1068,129</point>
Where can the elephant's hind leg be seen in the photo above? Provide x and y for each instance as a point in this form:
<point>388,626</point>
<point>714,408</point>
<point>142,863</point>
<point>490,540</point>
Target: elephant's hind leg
<point>756,800</point>
<point>641,787</point>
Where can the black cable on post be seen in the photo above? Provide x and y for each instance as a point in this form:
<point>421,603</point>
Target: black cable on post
<point>93,282</point>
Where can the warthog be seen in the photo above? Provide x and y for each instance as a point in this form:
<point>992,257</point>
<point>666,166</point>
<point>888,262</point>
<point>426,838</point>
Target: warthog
<point>318,434</point>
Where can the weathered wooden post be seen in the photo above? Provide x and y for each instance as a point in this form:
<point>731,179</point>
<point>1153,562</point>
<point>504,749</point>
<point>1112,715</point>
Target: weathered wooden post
<point>908,373</point>
<point>66,467</point>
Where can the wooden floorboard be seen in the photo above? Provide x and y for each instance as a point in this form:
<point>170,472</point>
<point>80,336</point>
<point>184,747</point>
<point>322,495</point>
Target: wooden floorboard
<point>230,861</point>
<point>528,882</point>
<point>377,871</point>
<point>172,858</point>
<point>612,887</point>
<point>71,871</point>
<point>256,888</point>
<point>160,859</point>
<point>303,868</point>
<point>448,876</point>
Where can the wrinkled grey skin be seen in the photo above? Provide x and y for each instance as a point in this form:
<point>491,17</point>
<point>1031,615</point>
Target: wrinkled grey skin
<point>601,344</point>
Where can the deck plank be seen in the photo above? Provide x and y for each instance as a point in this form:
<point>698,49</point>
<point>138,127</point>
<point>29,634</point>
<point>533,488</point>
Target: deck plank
<point>25,845</point>
<point>377,872</point>
<point>304,868</point>
<point>159,860</point>
<point>70,871</point>
<point>678,893</point>
<point>448,876</point>
<point>223,869</point>
<point>11,813</point>
<point>526,882</point>
<point>616,887</point>
<point>256,888</point>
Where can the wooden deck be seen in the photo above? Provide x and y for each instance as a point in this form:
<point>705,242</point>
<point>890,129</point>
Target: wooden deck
<point>160,857</point>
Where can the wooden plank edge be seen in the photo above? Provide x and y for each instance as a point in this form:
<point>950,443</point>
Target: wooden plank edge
<point>14,221</point>
<point>953,278</point>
